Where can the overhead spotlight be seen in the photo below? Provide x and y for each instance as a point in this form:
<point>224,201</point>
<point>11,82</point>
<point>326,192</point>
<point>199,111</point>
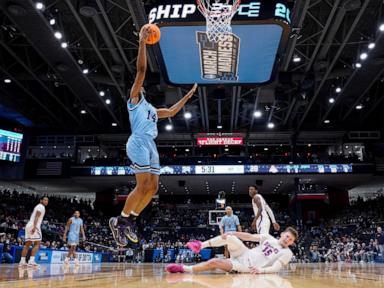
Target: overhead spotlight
<point>359,107</point>
<point>296,59</point>
<point>85,71</point>
<point>363,56</point>
<point>309,145</point>
<point>187,115</point>
<point>371,45</point>
<point>226,149</point>
<point>108,101</point>
<point>271,125</point>
<point>83,111</point>
<point>168,127</point>
<point>52,21</point>
<point>64,45</point>
<point>219,127</point>
<point>39,6</point>
<point>58,35</point>
<point>331,100</point>
<point>327,121</point>
<point>187,150</point>
<point>114,124</point>
<point>338,90</point>
<point>102,93</point>
<point>266,149</point>
<point>80,61</point>
<point>381,28</point>
<point>358,65</point>
<point>7,81</point>
<point>257,114</point>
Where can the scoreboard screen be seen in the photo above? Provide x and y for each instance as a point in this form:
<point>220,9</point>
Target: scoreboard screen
<point>10,145</point>
<point>248,55</point>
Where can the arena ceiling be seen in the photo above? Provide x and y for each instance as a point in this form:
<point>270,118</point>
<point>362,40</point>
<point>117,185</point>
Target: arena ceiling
<point>49,85</point>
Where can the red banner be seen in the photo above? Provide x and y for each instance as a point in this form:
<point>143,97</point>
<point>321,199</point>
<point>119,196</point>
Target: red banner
<point>220,141</point>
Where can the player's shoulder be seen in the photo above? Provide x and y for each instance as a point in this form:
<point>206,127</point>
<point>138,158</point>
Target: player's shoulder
<point>40,207</point>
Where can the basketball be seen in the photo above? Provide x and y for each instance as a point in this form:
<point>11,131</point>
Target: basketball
<point>154,37</point>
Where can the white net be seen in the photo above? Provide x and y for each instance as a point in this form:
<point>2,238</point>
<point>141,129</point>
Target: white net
<point>219,15</point>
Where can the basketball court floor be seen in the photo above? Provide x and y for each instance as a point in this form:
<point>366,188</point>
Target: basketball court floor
<point>152,275</point>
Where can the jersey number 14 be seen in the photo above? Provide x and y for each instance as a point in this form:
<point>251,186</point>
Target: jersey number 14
<point>153,116</point>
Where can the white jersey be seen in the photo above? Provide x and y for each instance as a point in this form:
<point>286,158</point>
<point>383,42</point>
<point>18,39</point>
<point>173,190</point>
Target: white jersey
<point>267,253</point>
<point>264,214</point>
<point>40,207</point>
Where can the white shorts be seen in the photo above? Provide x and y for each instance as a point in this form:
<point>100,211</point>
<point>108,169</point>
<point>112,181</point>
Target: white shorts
<point>239,254</point>
<point>29,236</point>
<point>263,224</point>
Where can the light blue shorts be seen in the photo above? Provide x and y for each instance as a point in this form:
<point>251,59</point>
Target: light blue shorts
<point>142,152</point>
<point>73,239</point>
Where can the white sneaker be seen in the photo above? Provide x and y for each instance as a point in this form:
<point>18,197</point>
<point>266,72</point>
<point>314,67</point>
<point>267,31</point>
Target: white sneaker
<point>33,264</point>
<point>66,261</point>
<point>22,264</point>
<point>77,263</point>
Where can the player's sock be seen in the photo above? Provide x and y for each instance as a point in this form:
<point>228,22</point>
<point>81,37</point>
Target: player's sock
<point>121,220</point>
<point>124,215</point>
<point>32,259</point>
<point>214,242</point>
<point>22,260</point>
<point>188,268</point>
<point>134,216</point>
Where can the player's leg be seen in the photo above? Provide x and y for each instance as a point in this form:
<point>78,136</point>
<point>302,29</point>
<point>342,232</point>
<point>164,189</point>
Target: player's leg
<point>36,247</point>
<point>263,227</point>
<point>154,162</point>
<point>24,253</point>
<point>143,188</point>
<point>154,186</point>
<point>215,263</point>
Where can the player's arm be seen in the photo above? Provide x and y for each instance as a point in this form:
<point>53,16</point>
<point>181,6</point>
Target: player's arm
<point>238,224</point>
<point>221,225</point>
<point>276,226</point>
<point>37,216</point>
<point>274,268</point>
<point>170,112</point>
<point>257,201</point>
<point>244,236</point>
<point>82,231</point>
<point>141,67</point>
<point>69,222</point>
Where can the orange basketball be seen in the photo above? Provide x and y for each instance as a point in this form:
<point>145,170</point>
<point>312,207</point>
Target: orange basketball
<point>155,33</point>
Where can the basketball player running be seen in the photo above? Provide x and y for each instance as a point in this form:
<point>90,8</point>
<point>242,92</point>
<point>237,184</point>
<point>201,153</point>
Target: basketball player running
<point>269,257</point>
<point>33,233</point>
<point>263,212</point>
<point>141,149</point>
<point>74,226</point>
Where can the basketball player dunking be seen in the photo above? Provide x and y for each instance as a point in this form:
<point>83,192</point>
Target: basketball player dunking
<point>141,148</point>
<point>33,233</point>
<point>269,257</point>
<point>74,226</point>
<point>263,212</point>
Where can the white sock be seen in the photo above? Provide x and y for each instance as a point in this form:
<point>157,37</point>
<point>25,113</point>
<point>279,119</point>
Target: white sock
<point>22,260</point>
<point>214,242</point>
<point>32,259</point>
<point>123,214</point>
<point>188,269</point>
<point>134,213</point>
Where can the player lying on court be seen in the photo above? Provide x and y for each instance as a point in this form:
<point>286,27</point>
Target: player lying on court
<point>74,226</point>
<point>269,257</point>
<point>141,148</point>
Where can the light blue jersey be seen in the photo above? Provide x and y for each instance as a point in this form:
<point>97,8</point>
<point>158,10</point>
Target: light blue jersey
<point>141,147</point>
<point>143,118</point>
<point>229,223</point>
<point>74,231</point>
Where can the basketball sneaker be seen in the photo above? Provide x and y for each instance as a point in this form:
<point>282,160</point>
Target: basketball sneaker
<point>175,268</point>
<point>118,232</point>
<point>195,246</point>
<point>130,230</point>
<point>33,264</point>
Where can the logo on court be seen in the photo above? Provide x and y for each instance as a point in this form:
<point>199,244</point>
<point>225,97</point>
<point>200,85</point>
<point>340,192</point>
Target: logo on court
<point>219,61</point>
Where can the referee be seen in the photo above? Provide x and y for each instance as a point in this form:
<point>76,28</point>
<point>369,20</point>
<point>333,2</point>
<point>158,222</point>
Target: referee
<point>229,223</point>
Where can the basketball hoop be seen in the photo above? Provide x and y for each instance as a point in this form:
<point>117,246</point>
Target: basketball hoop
<point>219,15</point>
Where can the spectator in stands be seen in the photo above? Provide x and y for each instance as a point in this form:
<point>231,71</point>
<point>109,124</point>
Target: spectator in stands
<point>380,240</point>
